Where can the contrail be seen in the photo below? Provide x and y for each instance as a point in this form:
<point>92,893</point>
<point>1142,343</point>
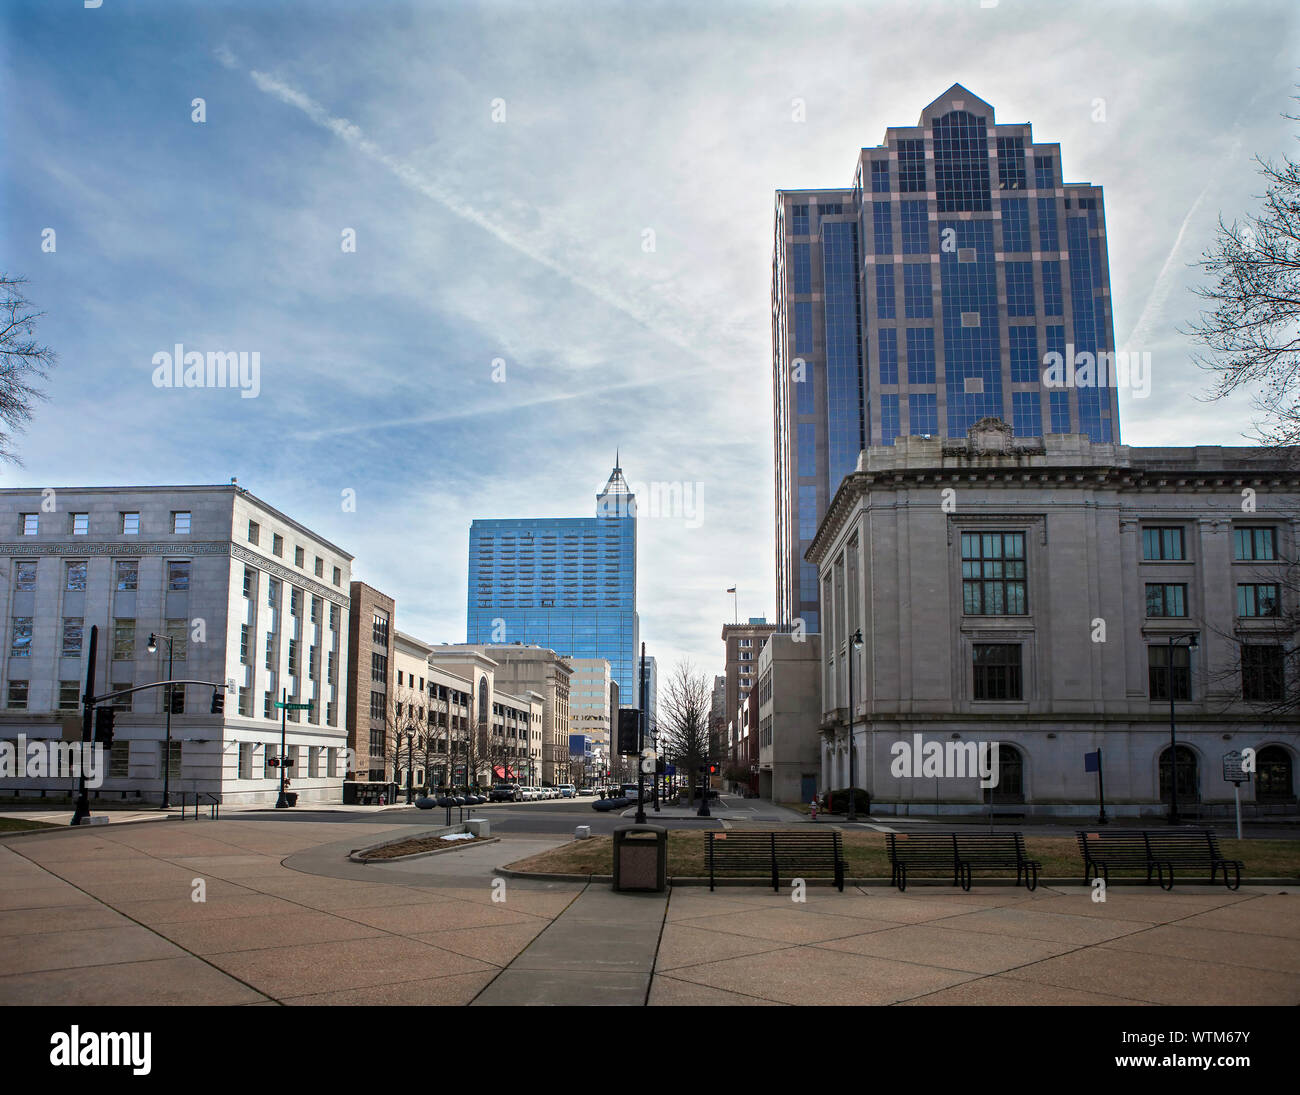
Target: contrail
<point>350,133</point>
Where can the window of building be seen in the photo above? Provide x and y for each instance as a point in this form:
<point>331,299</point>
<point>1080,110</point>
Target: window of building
<point>17,698</point>
<point>176,695</point>
<point>338,576</point>
<point>1185,777</point>
<point>123,640</point>
<point>1158,672</point>
<point>993,573</point>
<point>122,703</point>
<point>299,557</point>
<point>295,602</point>
<point>177,630</point>
<point>330,667</point>
<point>268,705</point>
<point>246,702</point>
<point>119,760</point>
<point>250,583</point>
<point>128,575</point>
<point>1255,543</point>
<point>293,658</point>
<point>75,574</point>
<point>243,644</point>
<point>320,567</point>
<point>269,770</point>
<point>72,631</point>
<point>178,574</point>
<point>277,544</point>
<point>25,576</point>
<point>1258,599</point>
<point>246,751</point>
<point>911,166</point>
<point>69,695</point>
<point>379,629</point>
<point>378,666</point>
<point>377,707</point>
<point>80,524</point>
<point>1262,675</point>
<point>273,592</point>
<point>254,532</point>
<point>181,523</point>
<point>21,645</point>
<point>1166,599</point>
<point>1274,775</point>
<point>315,610</point>
<point>29,524</point>
<point>270,651</point>
<point>1163,544</point>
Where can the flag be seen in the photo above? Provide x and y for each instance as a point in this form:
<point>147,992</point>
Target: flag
<point>732,589</point>
<point>1092,761</point>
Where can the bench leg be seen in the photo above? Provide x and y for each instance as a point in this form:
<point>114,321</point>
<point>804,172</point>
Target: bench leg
<point>963,870</point>
<point>902,877</point>
<point>1031,877</point>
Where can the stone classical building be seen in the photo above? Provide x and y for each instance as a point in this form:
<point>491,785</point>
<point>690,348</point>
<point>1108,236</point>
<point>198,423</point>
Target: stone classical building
<point>246,598</point>
<point>789,706</point>
<point>1044,594</point>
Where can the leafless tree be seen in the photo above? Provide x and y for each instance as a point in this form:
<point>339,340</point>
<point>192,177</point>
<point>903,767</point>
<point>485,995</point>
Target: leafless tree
<point>404,729</point>
<point>1274,695</point>
<point>685,727</point>
<point>24,362</point>
<point>1252,336</point>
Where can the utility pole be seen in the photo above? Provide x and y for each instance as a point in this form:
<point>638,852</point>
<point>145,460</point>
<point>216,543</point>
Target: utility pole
<point>282,803</point>
<point>87,727</point>
<point>640,743</point>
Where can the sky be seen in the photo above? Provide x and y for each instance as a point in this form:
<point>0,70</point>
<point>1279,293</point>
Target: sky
<point>479,248</point>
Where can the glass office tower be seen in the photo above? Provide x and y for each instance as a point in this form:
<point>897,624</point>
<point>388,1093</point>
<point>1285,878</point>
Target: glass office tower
<point>923,298</point>
<point>568,583</point>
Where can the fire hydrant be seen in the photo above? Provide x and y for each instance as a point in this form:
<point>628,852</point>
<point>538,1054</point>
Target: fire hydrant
<point>812,808</point>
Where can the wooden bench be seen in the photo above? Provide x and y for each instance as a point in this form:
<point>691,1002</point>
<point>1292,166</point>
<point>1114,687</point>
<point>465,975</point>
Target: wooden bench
<point>1158,850</point>
<point>777,855</point>
<point>960,853</point>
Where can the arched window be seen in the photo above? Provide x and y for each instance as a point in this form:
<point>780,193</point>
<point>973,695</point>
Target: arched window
<point>1188,779</point>
<point>482,700</point>
<point>1274,775</point>
<point>1011,775</point>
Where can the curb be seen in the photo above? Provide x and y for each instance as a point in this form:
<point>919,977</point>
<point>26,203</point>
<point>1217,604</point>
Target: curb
<point>766,883</point>
<point>358,857</point>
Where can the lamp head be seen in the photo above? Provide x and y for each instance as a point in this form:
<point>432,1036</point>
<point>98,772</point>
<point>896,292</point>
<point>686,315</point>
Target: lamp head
<point>153,643</point>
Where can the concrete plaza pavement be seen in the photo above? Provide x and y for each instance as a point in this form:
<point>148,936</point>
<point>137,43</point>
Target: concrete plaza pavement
<point>106,916</point>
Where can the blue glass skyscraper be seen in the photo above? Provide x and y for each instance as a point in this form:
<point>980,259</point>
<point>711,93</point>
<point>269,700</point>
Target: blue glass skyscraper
<point>568,583</point>
<point>922,299</point>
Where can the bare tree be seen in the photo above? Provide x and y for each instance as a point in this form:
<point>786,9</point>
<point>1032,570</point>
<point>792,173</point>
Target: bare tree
<point>685,728</point>
<point>1267,679</point>
<point>404,729</point>
<point>23,362</point>
<point>1253,333</point>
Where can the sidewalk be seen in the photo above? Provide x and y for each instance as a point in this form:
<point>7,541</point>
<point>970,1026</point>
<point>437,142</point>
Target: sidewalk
<point>109,916</point>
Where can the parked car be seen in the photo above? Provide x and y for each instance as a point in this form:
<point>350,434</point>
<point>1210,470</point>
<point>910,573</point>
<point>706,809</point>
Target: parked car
<point>586,790</point>
<point>532,794</point>
<point>505,792</point>
<point>567,790</point>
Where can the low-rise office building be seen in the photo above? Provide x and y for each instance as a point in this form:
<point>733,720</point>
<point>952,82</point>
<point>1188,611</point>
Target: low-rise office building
<point>789,723</point>
<point>1045,594</point>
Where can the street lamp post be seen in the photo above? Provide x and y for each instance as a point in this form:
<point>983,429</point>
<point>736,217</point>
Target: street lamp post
<point>855,644</point>
<point>1173,739</point>
<point>167,756</point>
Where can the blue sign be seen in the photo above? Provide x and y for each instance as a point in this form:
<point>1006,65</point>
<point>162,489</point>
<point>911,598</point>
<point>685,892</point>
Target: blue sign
<point>1092,761</point>
<point>670,770</point>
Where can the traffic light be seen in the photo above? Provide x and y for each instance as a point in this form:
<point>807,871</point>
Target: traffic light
<point>218,702</point>
<point>713,769</point>
<point>104,717</point>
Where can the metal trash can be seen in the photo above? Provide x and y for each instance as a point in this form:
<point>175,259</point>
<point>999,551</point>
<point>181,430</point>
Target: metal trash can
<point>641,858</point>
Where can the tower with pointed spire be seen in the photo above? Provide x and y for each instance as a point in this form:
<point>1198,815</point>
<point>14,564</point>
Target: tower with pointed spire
<point>923,299</point>
<point>567,583</point>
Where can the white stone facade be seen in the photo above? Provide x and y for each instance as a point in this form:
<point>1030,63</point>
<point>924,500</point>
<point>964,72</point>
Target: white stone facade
<point>250,597</point>
<point>904,555</point>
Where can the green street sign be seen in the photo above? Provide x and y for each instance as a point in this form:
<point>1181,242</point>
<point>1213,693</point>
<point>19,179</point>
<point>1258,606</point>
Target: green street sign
<point>294,706</point>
